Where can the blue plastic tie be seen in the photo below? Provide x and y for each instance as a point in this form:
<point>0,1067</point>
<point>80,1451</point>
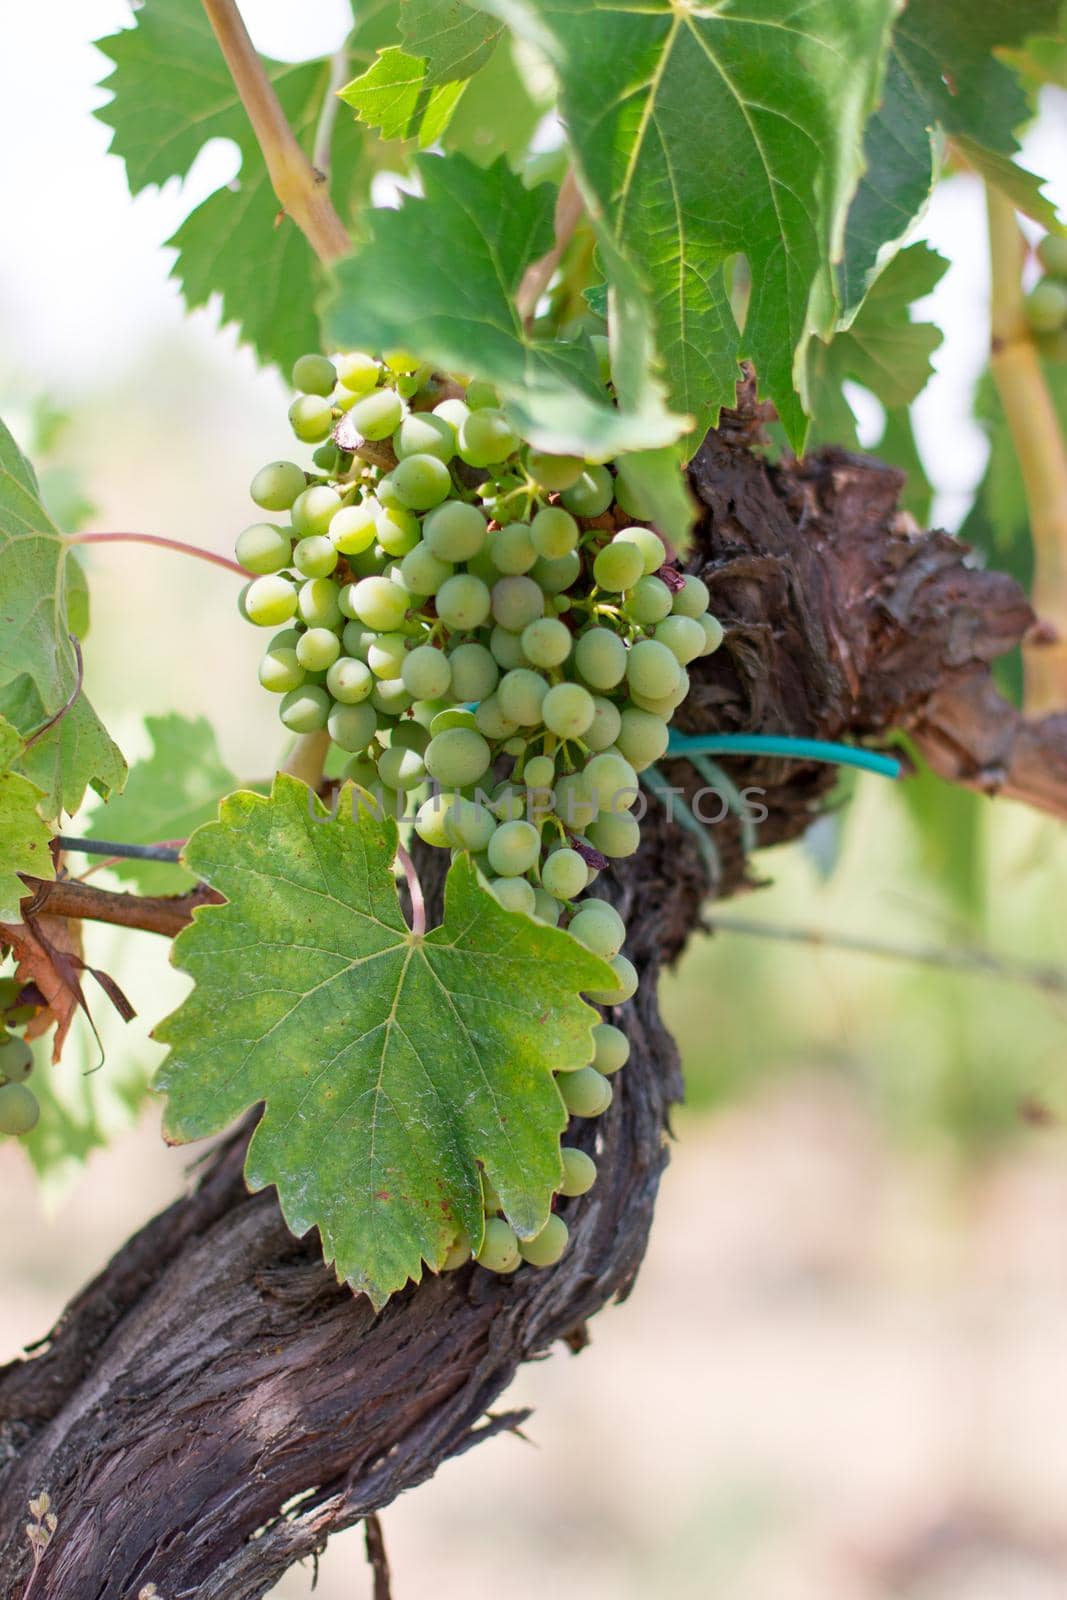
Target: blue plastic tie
<point>780,744</point>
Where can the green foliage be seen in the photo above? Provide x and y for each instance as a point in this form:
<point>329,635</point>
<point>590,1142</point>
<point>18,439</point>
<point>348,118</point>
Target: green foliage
<point>395,97</point>
<point>24,838</point>
<point>75,754</point>
<point>169,795</point>
<point>390,1064</point>
<point>454,41</point>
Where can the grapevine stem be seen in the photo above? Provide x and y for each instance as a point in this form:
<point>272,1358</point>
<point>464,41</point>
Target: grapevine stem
<point>164,544</point>
<point>1041,452</point>
<point>308,758</point>
<point>302,192</point>
<point>418,901</point>
<point>538,275</point>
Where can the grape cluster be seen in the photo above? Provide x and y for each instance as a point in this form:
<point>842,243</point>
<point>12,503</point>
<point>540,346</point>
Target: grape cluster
<point>497,640</point>
<point>19,1107</point>
<point>1046,304</point>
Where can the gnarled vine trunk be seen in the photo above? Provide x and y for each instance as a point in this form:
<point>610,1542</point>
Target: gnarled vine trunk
<point>213,1406</point>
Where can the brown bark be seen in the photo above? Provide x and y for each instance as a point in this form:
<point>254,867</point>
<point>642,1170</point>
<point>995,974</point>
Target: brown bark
<point>214,1405</point>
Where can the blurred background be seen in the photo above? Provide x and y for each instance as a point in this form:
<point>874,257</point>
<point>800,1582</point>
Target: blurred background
<point>841,1374</point>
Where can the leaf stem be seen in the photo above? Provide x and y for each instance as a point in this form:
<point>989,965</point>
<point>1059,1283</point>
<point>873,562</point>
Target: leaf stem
<point>538,275</point>
<point>164,544</point>
<point>418,899</point>
<point>1041,452</point>
<point>302,193</point>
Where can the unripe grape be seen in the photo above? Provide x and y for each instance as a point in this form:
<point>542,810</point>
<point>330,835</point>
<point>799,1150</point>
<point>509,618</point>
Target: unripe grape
<point>600,657</point>
<point>409,735</point>
<point>280,670</point>
<point>378,603</point>
<point>642,737</point>
<point>398,530</point>
<point>683,636</point>
<point>547,642</point>
<point>457,757</point>
<point>554,533</point>
<point>713,633</point>
<point>611,781</point>
<point>612,1048</point>
<point>506,648</point>
<point>463,602</point>
<point>604,728</point>
<point>511,548</point>
<point>315,557</point>
<point>431,820</point>
<point>328,458</point>
<point>311,419</point>
<point>458,1255</point>
<point>516,602</point>
<point>615,834</point>
<point>586,1093</point>
<point>579,1172</point>
<point>691,600</point>
<point>357,371</point>
<point>567,710</point>
<point>500,1247</point>
<point>421,481</point>
<point>626,973</point>
<point>574,802</point>
<point>1046,305</point>
<point>455,531</point>
<point>423,572</point>
<point>619,566</point>
<point>263,548</point>
<point>648,542</point>
<point>452,717</point>
<point>385,493</point>
<point>318,649</point>
<point>454,412</point>
<point>649,601</point>
<point>521,694</point>
<point>270,600</point>
<point>539,772</point>
<point>491,720</point>
<point>401,361</point>
<point>553,472</point>
<point>515,894</point>
<point>598,932</point>
<point>314,375</point>
<point>546,908</point>
<point>277,485</point>
<point>471,824</point>
<point>1052,253</point>
<point>19,1109</point>
<point>401,769</point>
<point>485,437</point>
<point>354,529</point>
<point>386,655</point>
<point>352,727</point>
<point>389,697</point>
<point>424,433</point>
<point>556,576</point>
<point>426,673</point>
<point>509,803</point>
<point>349,681</point>
<point>652,670</point>
<point>546,1247</point>
<point>481,395</point>
<point>305,710</point>
<point>319,603</point>
<point>564,874</point>
<point>474,672</point>
<point>514,848</point>
<point>16,1058</point>
<point>357,639</point>
<point>591,493</point>
<point>378,414</point>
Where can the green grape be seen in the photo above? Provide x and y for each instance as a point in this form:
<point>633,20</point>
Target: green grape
<point>311,419</point>
<point>357,371</point>
<point>474,672</point>
<point>19,1109</point>
<point>511,549</point>
<point>591,493</point>
<point>454,412</point>
<point>611,781</point>
<point>357,640</point>
<point>277,485</point>
<point>516,602</point>
<point>509,803</point>
<point>314,375</point>
<point>490,1197</point>
<point>491,720</point>
<point>586,1093</point>
<point>1046,306</point>
<point>514,849</point>
<point>458,1255</point>
<point>506,648</point>
<point>619,566</point>
<point>615,834</point>
<point>574,802</point>
<point>554,533</point>
<point>354,529</point>
<point>649,543</point>
<point>315,557</point>
<point>713,633</point>
<point>319,603</point>
<point>604,728</point>
<point>362,770</point>
<point>270,600</point>
<point>401,769</point>
<point>485,437</point>
<point>626,973</point>
<point>642,737</point>
<point>455,531</point>
<point>684,638</point>
<point>471,825</point>
<point>398,530</point>
<point>564,874</point>
<point>521,694</point>
<point>612,1048</point>
<point>500,1247</point>
<point>556,576</point>
<point>352,727</point>
<point>463,602</point>
<point>1052,253</point>
<point>662,708</point>
<point>386,655</point>
<point>378,414</point>
<point>431,820</point>
<point>457,757</point>
<point>579,1172</point>
<point>426,673</point>
<point>452,717</point>
<point>318,649</point>
<point>482,566</point>
<point>389,697</point>
<point>553,472</point>
<point>328,458</point>
<point>423,572</point>
<point>421,481</point>
<point>515,894</point>
<point>649,601</point>
<point>567,710</point>
<point>481,396</point>
<point>546,642</point>
<point>546,1247</point>
<point>597,931</point>
<point>262,548</point>
<point>379,603</point>
<point>401,361</point>
<point>280,669</point>
<point>305,709</point>
<point>692,599</point>
<point>349,681</point>
<point>422,433</point>
<point>652,670</point>
<point>539,772</point>
<point>600,657</point>
<point>16,1058</point>
<point>409,735</point>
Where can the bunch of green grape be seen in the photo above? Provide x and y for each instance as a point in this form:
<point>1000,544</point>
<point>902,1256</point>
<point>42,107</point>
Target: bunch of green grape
<point>19,1107</point>
<point>496,641</point>
<point>1046,303</point>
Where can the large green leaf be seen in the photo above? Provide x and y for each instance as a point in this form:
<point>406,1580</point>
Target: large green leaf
<point>170,93</point>
<point>453,41</point>
<point>395,96</point>
<point>702,132</point>
<point>34,635</point>
<point>390,1064</point>
<point>169,795</point>
<point>76,753</point>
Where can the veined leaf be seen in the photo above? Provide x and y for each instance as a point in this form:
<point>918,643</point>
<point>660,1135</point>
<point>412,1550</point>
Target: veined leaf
<point>24,838</point>
<point>75,754</point>
<point>390,1064</point>
<point>34,636</point>
<point>396,96</point>
<point>453,41</point>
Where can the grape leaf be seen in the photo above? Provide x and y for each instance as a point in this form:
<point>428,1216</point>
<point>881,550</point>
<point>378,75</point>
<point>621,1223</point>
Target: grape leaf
<point>24,838</point>
<point>170,793</point>
<point>390,1064</point>
<point>701,132</point>
<point>34,632</point>
<point>499,112</point>
<point>453,41</point>
<point>395,96</point>
<point>170,93</point>
<point>74,754</point>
